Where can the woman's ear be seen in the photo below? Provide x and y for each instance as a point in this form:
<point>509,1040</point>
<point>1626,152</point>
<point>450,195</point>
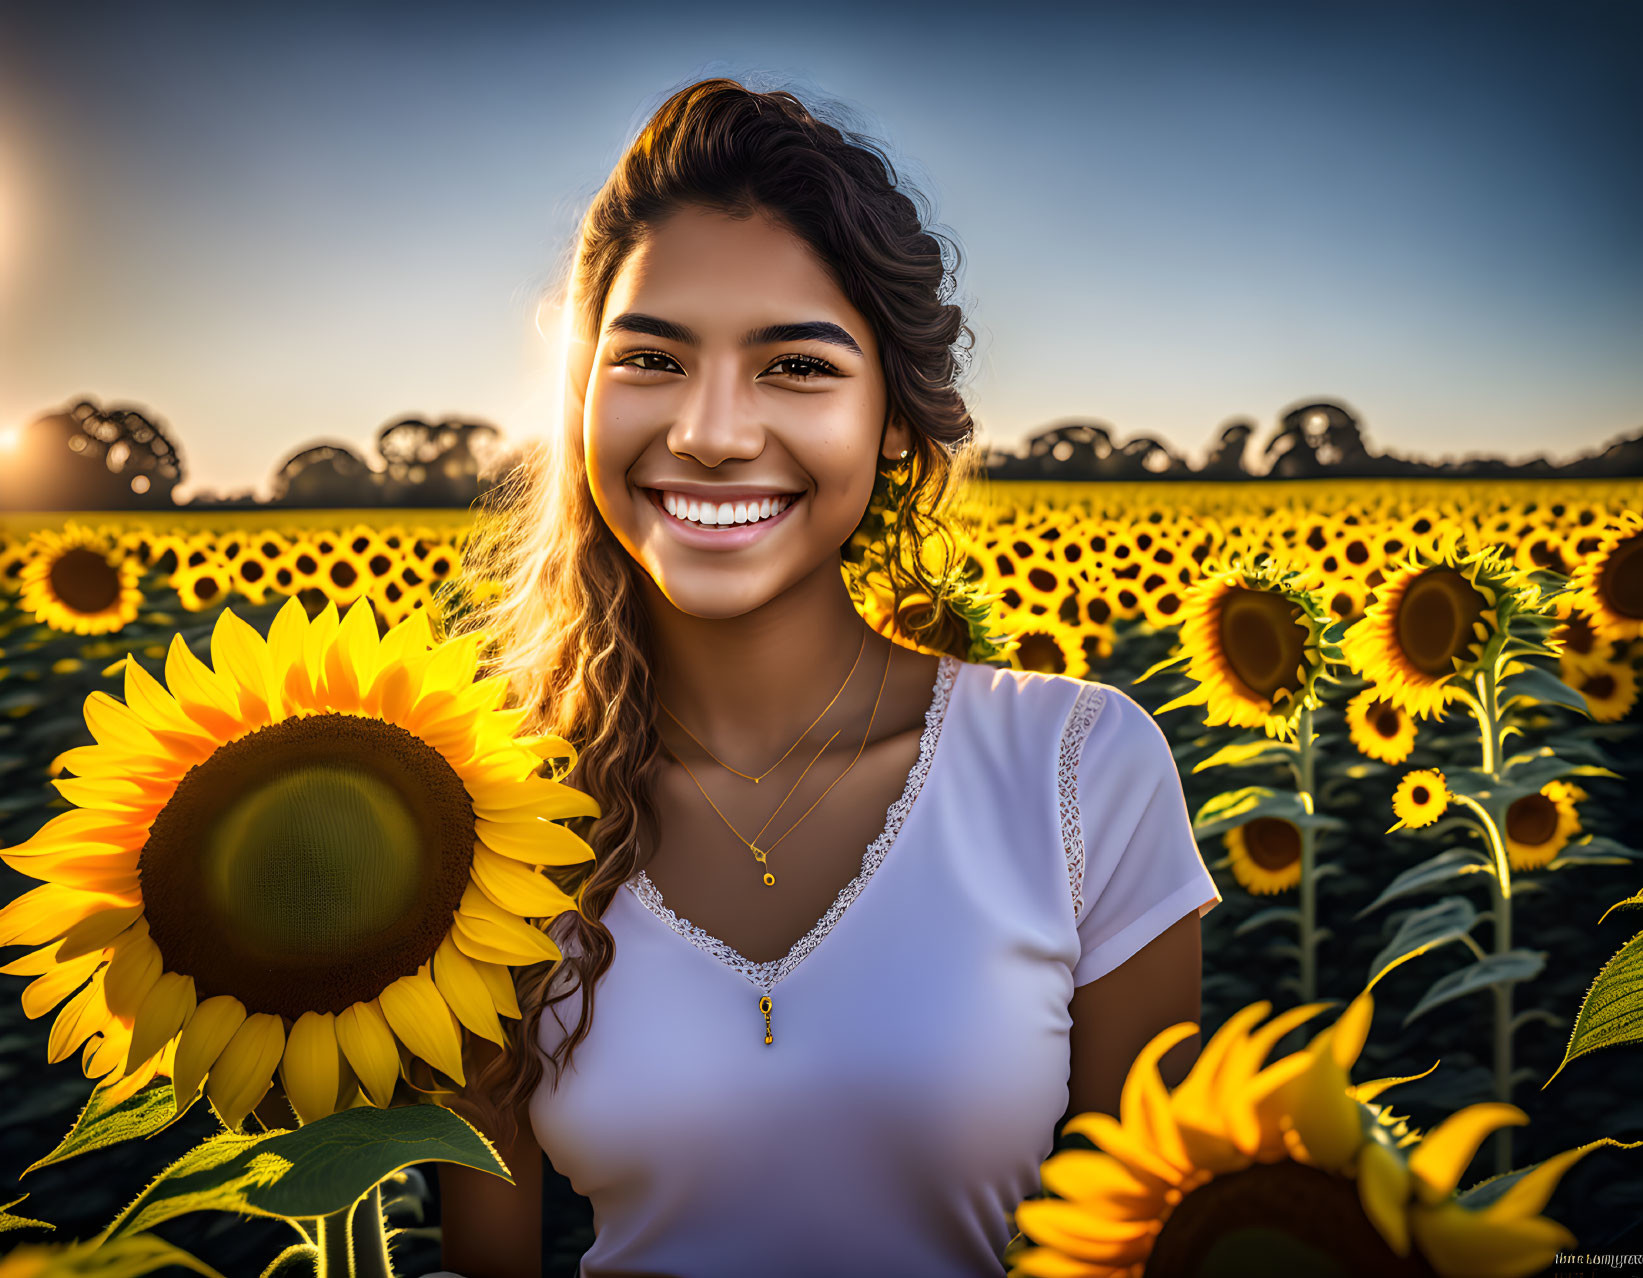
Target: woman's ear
<point>897,436</point>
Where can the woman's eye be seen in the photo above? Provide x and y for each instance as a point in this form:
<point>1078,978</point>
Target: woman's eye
<point>627,360</point>
<point>810,367</point>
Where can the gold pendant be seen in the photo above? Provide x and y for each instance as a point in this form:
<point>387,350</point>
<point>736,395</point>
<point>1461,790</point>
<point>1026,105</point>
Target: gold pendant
<point>764,1006</point>
<point>758,854</point>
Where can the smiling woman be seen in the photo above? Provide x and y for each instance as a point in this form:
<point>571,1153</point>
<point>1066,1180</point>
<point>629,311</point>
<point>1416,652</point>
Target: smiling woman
<point>865,914</point>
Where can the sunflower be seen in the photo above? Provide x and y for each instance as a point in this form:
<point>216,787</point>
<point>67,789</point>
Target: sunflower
<point>1380,728</point>
<point>1052,648</point>
<point>78,581</point>
<point>1252,637</point>
<point>1243,1163</point>
<point>1579,647</point>
<point>1420,799</point>
<point>1539,825</point>
<point>1609,688</point>
<point>1265,854</point>
<point>1437,620</point>
<point>1610,579</point>
<point>316,854</point>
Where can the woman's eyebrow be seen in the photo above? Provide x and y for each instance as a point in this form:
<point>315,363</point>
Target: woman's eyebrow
<point>808,331</point>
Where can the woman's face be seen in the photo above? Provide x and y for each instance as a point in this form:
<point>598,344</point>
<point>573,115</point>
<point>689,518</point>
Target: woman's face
<point>691,402</point>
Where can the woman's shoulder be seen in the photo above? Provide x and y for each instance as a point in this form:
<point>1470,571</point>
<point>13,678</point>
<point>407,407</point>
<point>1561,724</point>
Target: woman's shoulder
<point>1087,716</point>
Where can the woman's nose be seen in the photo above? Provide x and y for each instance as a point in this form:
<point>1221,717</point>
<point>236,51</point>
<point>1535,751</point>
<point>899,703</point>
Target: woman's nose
<point>718,420</point>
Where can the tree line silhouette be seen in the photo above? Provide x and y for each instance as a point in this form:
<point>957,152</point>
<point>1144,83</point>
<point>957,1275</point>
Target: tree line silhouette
<point>90,458</point>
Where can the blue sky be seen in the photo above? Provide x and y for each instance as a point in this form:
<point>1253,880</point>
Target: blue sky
<point>275,225</point>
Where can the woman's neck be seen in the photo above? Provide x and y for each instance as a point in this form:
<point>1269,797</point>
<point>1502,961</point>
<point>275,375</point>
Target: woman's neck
<point>747,686</point>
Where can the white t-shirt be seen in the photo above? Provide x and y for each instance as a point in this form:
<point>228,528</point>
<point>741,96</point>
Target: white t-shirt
<point>920,1059</point>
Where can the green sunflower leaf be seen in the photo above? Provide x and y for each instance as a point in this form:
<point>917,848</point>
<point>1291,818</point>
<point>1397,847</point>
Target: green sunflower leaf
<point>1635,899</point>
<point>1276,914</point>
<point>9,1221</point>
<point>1595,849</point>
<point>1431,873</point>
<point>1425,929</point>
<point>100,1124</point>
<point>319,1168</point>
<point>1540,685</point>
<point>1485,1192</point>
<point>1612,1011</point>
<point>1514,965</point>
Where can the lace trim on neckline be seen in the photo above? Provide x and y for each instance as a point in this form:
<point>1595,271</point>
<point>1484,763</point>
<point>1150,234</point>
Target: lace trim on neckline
<point>1086,709</point>
<point>766,975</point>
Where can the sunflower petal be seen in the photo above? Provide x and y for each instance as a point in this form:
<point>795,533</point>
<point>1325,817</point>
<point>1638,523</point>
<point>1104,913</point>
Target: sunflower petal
<point>244,1071</point>
<point>310,1067</point>
<point>422,1020</point>
<point>97,930</point>
<point>82,1016</point>
<point>204,697</point>
<point>134,965</point>
<point>49,911</point>
<point>368,1044</point>
<point>1439,1160</point>
<point>1383,1191</point>
<point>536,842</point>
<point>465,992</point>
<point>1455,1240</point>
<point>169,1003</point>
<point>47,991</point>
<point>499,981</point>
<point>520,888</point>
<point>201,1042</point>
<point>241,654</point>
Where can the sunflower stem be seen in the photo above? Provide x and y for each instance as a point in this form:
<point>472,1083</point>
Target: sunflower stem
<point>1308,885</point>
<point>370,1237</point>
<point>336,1258</point>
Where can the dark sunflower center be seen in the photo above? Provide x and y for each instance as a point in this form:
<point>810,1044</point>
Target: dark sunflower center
<point>1420,796</point>
<point>1600,687</point>
<point>1039,652</point>
<point>84,581</point>
<point>309,864</point>
<point>1532,819</point>
<point>1276,1218</point>
<point>1620,584</point>
<point>1262,640</point>
<point>1435,618</point>
<point>1385,719</point>
<point>1578,635</point>
<point>1272,842</point>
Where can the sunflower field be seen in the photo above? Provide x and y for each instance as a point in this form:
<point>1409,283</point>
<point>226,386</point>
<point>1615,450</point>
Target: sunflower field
<point>1405,717</point>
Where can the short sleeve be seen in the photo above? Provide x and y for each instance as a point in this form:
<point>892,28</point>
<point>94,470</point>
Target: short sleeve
<point>1142,870</point>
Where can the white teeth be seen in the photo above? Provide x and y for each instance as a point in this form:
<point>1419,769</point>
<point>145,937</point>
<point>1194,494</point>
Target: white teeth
<point>710,515</point>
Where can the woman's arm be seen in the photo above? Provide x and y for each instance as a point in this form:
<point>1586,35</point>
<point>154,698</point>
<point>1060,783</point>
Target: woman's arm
<point>1116,1015</point>
<point>491,1229</point>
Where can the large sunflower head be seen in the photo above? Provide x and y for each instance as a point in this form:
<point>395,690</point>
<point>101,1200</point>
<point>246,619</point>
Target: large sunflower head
<point>1438,619</point>
<point>318,854</point>
<point>80,581</point>
<point>1252,1168</point>
<point>1252,638</point>
<point>1610,579</point>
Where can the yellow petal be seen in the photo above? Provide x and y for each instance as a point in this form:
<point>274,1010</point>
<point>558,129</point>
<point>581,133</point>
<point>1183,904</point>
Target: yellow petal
<point>113,723</point>
<point>465,992</point>
<point>134,965</point>
<point>118,1090</point>
<point>46,992</point>
<point>203,696</point>
<point>1531,1191</point>
<point>482,941</point>
<point>523,890</point>
<point>535,842</point>
<point>310,1068</point>
<point>201,1042</point>
<point>1383,1189</point>
<point>82,1016</point>
<point>168,1003</point>
<point>70,829</point>
<point>1439,1160</point>
<point>1144,1101</point>
<point>1068,1228</point>
<point>453,663</point>
<point>1130,1149</point>
<point>99,929</point>
<point>1325,1115</point>
<point>159,710</point>
<point>1351,1030</point>
<point>1091,1177</point>
<point>536,799</point>
<point>421,1019</point>
<point>47,913</point>
<point>33,963</point>
<point>499,981</point>
<point>368,1044</point>
<point>1458,1241</point>
<point>245,1069</point>
<point>498,926</point>
<point>241,654</point>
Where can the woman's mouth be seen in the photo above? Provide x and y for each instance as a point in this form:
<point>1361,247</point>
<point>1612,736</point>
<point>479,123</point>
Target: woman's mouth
<point>724,536</point>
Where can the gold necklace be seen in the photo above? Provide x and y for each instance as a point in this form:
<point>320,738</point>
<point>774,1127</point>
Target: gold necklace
<point>759,853</point>
<point>802,735</point>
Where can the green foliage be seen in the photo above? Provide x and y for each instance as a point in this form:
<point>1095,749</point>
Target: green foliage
<point>1494,969</point>
<point>100,1124</point>
<point>1437,871</point>
<point>1451,919</point>
<point>320,1168</point>
<point>1612,1011</point>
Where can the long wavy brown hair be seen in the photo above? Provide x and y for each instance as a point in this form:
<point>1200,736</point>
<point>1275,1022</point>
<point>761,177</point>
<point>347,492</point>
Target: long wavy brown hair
<point>565,619</point>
